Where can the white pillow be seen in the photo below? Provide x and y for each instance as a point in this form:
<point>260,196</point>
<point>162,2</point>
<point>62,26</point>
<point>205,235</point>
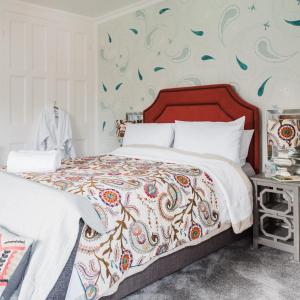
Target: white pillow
<point>248,169</point>
<point>155,134</point>
<point>246,140</point>
<point>219,138</point>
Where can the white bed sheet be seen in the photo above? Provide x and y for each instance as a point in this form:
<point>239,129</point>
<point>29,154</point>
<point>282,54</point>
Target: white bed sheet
<point>51,218</point>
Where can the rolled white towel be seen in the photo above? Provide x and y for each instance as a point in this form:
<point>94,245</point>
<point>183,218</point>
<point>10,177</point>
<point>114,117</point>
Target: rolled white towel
<point>33,161</point>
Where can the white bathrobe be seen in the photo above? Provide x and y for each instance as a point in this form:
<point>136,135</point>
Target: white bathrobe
<point>55,133</point>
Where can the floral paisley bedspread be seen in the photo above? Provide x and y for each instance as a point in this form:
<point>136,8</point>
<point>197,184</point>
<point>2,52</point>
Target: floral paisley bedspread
<point>148,208</point>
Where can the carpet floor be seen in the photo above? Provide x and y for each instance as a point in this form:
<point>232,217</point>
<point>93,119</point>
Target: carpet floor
<point>234,272</point>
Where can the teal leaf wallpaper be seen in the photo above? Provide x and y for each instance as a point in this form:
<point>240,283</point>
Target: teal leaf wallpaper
<point>118,86</point>
<point>104,87</point>
<point>294,23</point>
<point>157,69</point>
<point>253,45</point>
<point>109,38</point>
<point>261,90</point>
<point>198,32</point>
<point>135,31</point>
<point>140,75</point>
<point>242,65</point>
<point>207,57</point>
<point>163,10</point>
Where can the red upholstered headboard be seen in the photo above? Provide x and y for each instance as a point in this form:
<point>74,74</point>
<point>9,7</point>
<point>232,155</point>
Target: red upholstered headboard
<point>217,102</point>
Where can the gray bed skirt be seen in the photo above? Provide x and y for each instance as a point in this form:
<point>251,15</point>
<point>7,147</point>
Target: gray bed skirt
<point>174,262</point>
<point>60,289</point>
<point>159,269</point>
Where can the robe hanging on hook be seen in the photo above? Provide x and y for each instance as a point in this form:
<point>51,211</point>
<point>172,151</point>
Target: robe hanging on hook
<point>55,106</point>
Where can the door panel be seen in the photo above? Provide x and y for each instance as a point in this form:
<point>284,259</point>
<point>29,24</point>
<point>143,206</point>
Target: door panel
<point>43,62</point>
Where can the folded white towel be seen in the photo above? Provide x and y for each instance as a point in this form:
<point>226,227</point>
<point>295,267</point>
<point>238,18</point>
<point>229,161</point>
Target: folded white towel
<point>283,162</point>
<point>33,161</point>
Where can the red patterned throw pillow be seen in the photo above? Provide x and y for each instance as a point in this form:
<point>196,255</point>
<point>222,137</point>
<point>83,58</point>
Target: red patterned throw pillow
<point>121,127</point>
<point>14,257</point>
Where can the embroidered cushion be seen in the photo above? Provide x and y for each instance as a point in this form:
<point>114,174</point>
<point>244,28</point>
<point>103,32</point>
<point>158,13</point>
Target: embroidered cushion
<point>14,257</point>
<point>284,134</point>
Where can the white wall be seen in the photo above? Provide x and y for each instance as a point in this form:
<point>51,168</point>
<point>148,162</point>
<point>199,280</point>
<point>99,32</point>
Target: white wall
<point>45,56</point>
<point>197,42</point>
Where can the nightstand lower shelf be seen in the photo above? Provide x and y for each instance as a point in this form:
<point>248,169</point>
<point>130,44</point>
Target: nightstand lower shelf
<point>287,247</point>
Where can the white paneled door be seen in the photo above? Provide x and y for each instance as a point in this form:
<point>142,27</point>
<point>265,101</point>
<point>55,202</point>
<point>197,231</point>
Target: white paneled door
<point>43,61</point>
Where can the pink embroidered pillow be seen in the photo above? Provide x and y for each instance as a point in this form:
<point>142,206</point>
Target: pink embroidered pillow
<point>14,257</point>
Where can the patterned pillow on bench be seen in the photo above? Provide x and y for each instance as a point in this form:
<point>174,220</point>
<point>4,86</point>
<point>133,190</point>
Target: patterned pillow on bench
<point>14,257</point>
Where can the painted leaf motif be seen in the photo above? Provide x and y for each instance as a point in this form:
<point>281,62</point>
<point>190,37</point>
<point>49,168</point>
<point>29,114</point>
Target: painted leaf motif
<point>182,55</point>
<point>103,106</point>
<point>109,38</point>
<point>157,69</point>
<point>149,36</point>
<point>135,31</point>
<point>104,87</point>
<point>294,23</point>
<point>118,86</point>
<point>242,65</point>
<point>198,32</point>
<point>163,10</point>
<point>261,90</point>
<point>229,15</point>
<point>207,57</point>
<point>140,75</point>
<point>151,92</point>
<point>265,50</point>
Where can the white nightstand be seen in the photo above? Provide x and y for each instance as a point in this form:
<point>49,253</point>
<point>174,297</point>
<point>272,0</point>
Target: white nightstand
<point>276,214</point>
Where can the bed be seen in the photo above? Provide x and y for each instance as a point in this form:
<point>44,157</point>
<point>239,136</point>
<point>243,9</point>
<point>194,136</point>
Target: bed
<point>127,252</point>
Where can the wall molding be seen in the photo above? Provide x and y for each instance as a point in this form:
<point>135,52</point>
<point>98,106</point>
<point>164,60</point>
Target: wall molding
<point>45,13</point>
<point>25,8</point>
<point>125,10</point>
